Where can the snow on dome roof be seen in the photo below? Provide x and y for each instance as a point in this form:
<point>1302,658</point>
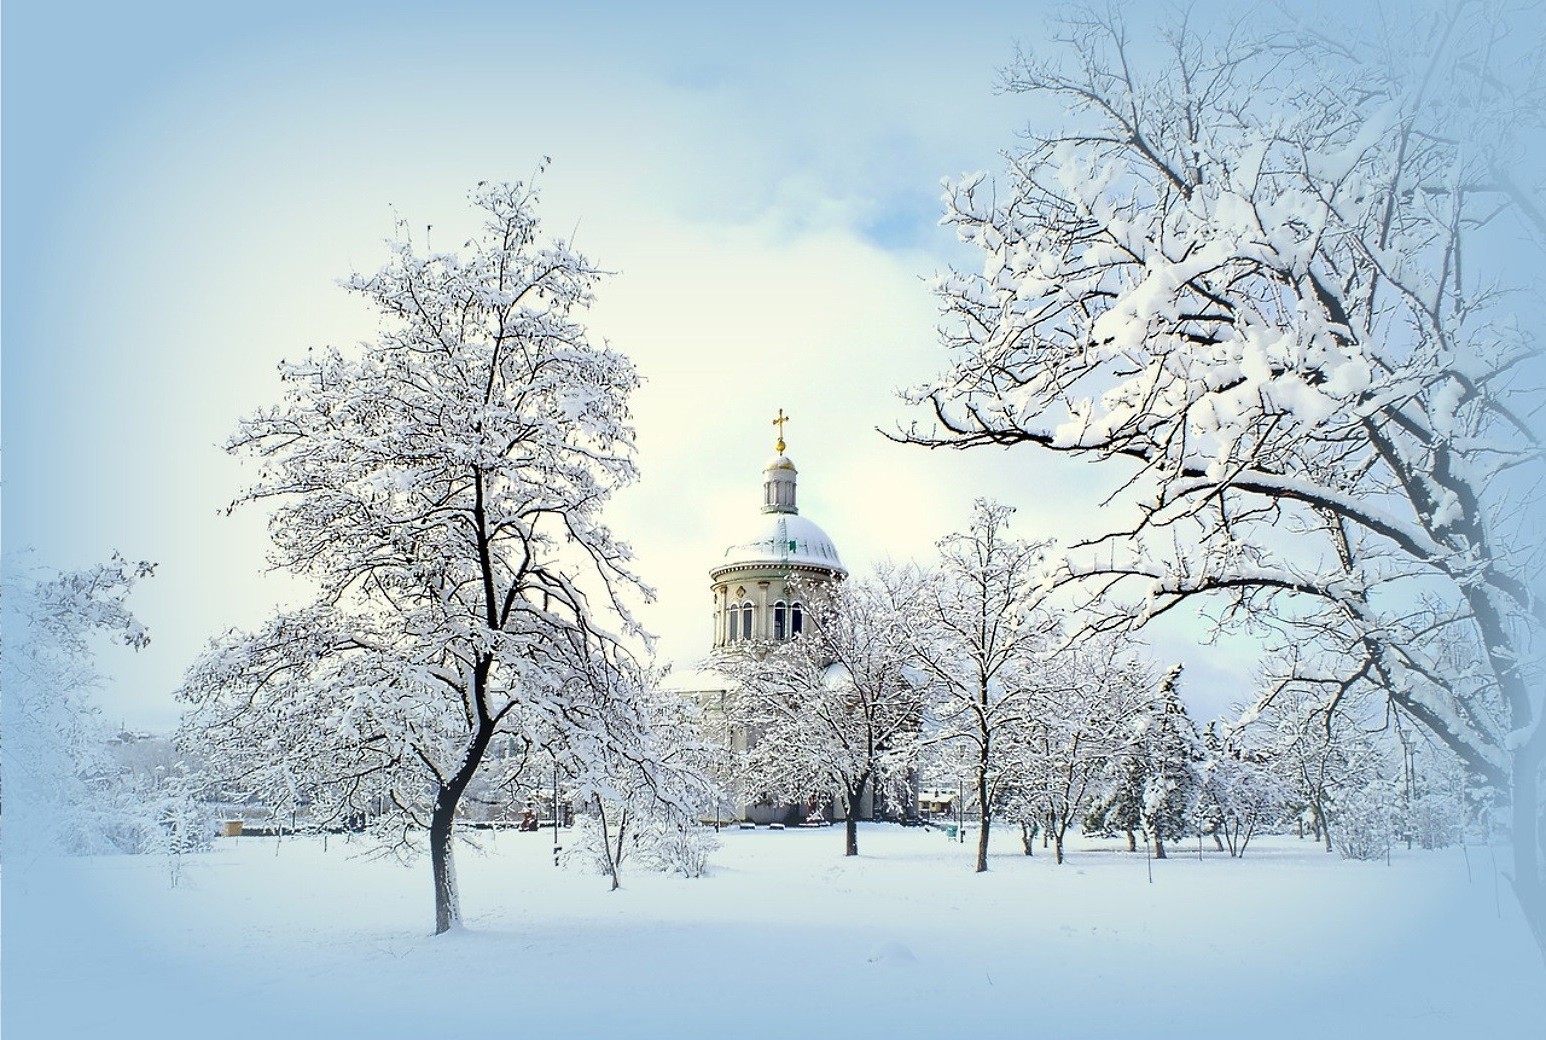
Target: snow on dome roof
<point>783,540</point>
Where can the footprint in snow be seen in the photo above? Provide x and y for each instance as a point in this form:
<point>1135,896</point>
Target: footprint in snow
<point>891,953</point>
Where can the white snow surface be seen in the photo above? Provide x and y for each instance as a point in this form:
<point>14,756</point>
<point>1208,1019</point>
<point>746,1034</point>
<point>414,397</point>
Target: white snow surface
<point>786,938</point>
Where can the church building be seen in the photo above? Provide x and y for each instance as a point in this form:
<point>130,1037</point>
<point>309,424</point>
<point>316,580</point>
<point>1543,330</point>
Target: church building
<point>759,587</point>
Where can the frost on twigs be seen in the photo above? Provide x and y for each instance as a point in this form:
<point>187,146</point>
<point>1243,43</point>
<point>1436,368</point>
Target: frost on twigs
<point>1284,277</point>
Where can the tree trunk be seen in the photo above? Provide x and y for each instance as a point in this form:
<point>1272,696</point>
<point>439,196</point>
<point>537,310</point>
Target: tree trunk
<point>851,824</point>
<point>1057,847</point>
<point>1159,848</point>
<point>1132,840</point>
<point>982,815</point>
<point>448,911</point>
<point>606,842</point>
<point>1027,838</point>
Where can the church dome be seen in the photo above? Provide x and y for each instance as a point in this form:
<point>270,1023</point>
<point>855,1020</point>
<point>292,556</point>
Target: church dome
<point>762,580</point>
<point>782,540</point>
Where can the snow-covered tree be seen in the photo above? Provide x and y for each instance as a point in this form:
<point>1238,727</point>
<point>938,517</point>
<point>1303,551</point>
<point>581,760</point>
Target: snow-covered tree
<point>1240,792</point>
<point>839,707</point>
<point>1274,275</point>
<point>1439,797</point>
<point>64,788</point>
<point>1078,729</point>
<point>1172,752</point>
<point>1116,803</point>
<point>1318,738</point>
<point>646,787</point>
<point>442,486</point>
<point>987,649</point>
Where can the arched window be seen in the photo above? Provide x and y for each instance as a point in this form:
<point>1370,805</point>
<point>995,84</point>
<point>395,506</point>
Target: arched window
<point>780,619</point>
<point>732,623</point>
<point>746,620</point>
<point>796,619</point>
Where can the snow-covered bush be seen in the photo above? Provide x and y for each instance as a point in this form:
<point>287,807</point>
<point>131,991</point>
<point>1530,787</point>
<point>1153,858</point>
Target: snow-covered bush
<point>1365,822</point>
<point>657,842</point>
<point>1436,819</point>
<point>682,848</point>
<point>585,850</point>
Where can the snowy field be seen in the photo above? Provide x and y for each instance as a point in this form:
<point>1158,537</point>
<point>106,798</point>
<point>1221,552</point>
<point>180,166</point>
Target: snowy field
<point>267,938</point>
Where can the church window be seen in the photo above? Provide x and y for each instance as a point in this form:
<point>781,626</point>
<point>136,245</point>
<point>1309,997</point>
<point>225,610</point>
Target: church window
<point>796,619</point>
<point>746,621</point>
<point>780,615</point>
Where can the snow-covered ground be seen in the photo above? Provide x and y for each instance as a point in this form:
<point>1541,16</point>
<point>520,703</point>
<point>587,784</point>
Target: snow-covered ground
<point>267,938</point>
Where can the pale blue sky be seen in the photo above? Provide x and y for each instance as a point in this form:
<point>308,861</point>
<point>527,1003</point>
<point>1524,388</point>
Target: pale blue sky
<point>183,184</point>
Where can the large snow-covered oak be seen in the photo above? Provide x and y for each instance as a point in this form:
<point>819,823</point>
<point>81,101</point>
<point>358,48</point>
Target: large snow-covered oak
<point>1280,278</point>
<point>442,486</point>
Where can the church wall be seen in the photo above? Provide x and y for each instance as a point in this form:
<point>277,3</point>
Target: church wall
<point>763,587</point>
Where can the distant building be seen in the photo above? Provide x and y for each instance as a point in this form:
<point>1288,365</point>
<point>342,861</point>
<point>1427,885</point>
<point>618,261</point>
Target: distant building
<point>760,588</point>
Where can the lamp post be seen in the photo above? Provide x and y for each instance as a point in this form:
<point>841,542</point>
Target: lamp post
<point>557,848</point>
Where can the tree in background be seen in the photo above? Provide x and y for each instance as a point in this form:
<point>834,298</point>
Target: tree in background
<point>1172,752</point>
<point>1079,726</point>
<point>67,789</point>
<point>987,647</point>
<point>839,707</point>
<point>1240,792</point>
<point>1318,737</point>
<point>646,790</point>
<point>442,487</point>
<point>1275,276</point>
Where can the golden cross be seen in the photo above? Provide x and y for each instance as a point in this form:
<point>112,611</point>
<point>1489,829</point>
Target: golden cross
<point>779,422</point>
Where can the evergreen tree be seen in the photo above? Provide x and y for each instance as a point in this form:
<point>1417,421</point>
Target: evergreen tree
<point>1171,755</point>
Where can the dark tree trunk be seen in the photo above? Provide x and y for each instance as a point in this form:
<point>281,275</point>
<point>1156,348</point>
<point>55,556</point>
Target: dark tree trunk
<point>606,842</point>
<point>448,911</point>
<point>851,824</point>
<point>1159,848</point>
<point>1027,838</point>
<point>1056,826</point>
<point>982,811</point>
<point>1132,840</point>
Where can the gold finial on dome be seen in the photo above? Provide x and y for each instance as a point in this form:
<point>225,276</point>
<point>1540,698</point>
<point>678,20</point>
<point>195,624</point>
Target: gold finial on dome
<point>779,422</point>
